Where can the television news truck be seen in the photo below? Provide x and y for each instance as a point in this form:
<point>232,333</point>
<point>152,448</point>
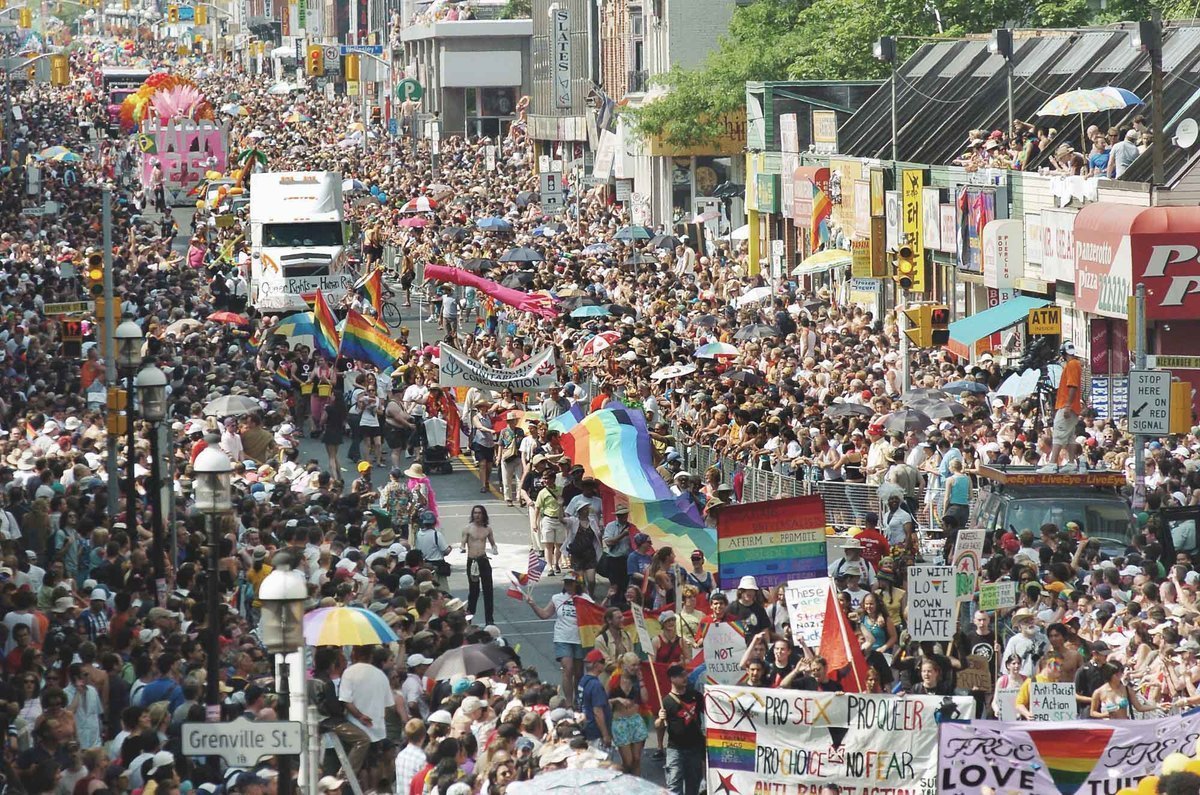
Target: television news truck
<point>297,240</point>
<point>115,85</point>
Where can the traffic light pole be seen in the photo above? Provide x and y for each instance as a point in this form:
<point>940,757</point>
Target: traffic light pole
<point>902,326</point>
<point>109,347</point>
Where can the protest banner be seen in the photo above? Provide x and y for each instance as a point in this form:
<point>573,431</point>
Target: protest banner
<point>1006,702</point>
<point>1052,701</point>
<point>767,741</point>
<point>724,645</point>
<point>931,602</point>
<point>995,596</point>
<point>977,676</point>
<point>1085,757</point>
<point>643,632</point>
<point>775,541</point>
<point>806,609</point>
<point>968,557</point>
<point>455,368</point>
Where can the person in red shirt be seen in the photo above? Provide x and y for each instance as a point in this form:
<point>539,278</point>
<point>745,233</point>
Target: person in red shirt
<point>875,545</point>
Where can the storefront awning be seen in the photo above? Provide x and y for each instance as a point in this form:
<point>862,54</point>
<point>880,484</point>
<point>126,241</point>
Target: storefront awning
<point>822,261</point>
<point>989,321</point>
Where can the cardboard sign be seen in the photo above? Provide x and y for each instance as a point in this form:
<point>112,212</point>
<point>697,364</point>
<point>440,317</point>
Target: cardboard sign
<point>643,632</point>
<point>1006,703</point>
<point>1052,701</point>
<point>806,609</point>
<point>724,645</point>
<point>968,557</point>
<point>931,603</point>
<point>977,675</point>
<point>997,596</point>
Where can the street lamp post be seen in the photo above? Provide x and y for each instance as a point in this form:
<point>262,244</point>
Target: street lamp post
<point>1002,44</point>
<point>283,594</point>
<point>212,491</point>
<point>151,388</point>
<point>885,50</point>
<point>129,337</point>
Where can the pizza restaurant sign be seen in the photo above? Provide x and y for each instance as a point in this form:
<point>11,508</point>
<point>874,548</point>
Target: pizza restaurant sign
<point>1169,266</point>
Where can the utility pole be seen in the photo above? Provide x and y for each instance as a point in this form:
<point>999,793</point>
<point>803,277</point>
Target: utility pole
<point>109,347</point>
<point>1139,363</point>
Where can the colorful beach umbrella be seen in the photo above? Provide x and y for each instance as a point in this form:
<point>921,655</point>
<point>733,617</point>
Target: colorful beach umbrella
<point>346,626</point>
<point>419,204</point>
<point>598,343</point>
<point>1081,100</point>
<point>714,349</point>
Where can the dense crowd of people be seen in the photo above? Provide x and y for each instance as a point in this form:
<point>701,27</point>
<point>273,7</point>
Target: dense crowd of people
<point>102,671</point>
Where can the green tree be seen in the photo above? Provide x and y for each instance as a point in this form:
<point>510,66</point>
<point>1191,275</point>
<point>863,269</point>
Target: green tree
<point>517,9</point>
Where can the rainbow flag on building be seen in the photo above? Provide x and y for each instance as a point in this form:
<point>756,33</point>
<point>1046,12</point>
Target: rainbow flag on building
<point>363,341</point>
<point>326,336</point>
<point>370,287</point>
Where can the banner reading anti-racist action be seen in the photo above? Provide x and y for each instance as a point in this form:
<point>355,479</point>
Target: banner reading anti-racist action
<point>794,742</point>
<point>455,368</point>
<point>1084,757</point>
<point>775,541</point>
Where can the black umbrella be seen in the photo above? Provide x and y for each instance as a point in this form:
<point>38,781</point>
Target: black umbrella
<point>621,311</point>
<point>663,241</point>
<point>522,254</point>
<point>756,331</point>
<point>705,321</point>
<point>527,197</point>
<point>455,234</point>
<point>946,410</point>
<point>517,281</point>
<point>478,265</point>
<point>469,660</point>
<point>838,410</point>
<point>905,420</point>
<point>744,376</point>
<point>640,259</point>
<point>923,395</point>
<point>576,301</point>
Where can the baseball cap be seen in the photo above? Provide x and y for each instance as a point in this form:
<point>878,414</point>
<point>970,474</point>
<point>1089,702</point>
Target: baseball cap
<point>440,716</point>
<point>594,656</point>
<point>639,539</point>
<point>416,658</point>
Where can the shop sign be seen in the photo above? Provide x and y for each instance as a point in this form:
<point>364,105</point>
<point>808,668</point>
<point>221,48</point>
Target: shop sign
<point>1169,265</point>
<point>789,136</point>
<point>949,233</point>
<point>561,20</point>
<point>1103,271</point>
<point>825,132</point>
<point>931,222</point>
<point>860,259</point>
<point>912,185</point>
<point>974,208</point>
<point>892,205</point>
<point>766,198</point>
<point>1003,256</point>
<point>1058,245</point>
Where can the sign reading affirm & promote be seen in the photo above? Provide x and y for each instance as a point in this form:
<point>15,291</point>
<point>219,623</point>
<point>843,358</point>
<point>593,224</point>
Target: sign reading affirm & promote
<point>794,742</point>
<point>1071,757</point>
<point>775,541</point>
<point>455,368</point>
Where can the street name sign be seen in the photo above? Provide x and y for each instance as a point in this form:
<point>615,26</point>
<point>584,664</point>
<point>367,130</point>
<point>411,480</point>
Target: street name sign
<point>367,49</point>
<point>1149,402</point>
<point>242,742</point>
<point>68,308</point>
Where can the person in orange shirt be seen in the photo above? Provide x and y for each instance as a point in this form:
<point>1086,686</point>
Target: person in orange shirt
<point>1068,405</point>
<point>92,369</point>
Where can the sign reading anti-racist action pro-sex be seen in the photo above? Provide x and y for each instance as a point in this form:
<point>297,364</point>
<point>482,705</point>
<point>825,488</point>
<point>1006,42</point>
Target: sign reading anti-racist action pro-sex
<point>779,741</point>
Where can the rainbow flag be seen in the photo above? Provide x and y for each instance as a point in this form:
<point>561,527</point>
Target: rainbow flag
<point>565,423</point>
<point>731,750</point>
<point>613,446</point>
<point>326,339</point>
<point>282,378</point>
<point>675,523</point>
<point>363,341</point>
<point>590,617</point>
<point>1070,755</point>
<point>370,287</point>
<point>30,431</point>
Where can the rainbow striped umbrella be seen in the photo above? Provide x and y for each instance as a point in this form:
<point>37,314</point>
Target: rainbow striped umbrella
<point>346,626</point>
<point>714,349</point>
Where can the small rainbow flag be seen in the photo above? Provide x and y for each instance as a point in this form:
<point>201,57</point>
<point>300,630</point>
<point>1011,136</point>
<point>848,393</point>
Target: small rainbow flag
<point>370,287</point>
<point>1070,755</point>
<point>30,431</point>
<point>731,750</point>
<point>363,341</point>
<point>326,338</point>
<point>590,618</point>
<point>282,378</point>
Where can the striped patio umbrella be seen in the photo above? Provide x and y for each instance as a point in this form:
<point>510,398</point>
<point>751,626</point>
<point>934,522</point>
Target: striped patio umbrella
<point>346,626</point>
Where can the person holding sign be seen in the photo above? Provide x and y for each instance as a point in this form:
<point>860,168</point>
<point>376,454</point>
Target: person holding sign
<point>1049,670</point>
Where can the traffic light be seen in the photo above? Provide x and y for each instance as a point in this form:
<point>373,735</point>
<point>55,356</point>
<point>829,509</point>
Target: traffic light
<point>125,4</point>
<point>315,62</point>
<point>60,70</point>
<point>905,267</point>
<point>93,274</point>
<point>351,68</point>
<point>25,18</point>
<point>201,15</point>
<point>939,324</point>
<point>3,4</point>
<point>376,115</point>
<point>31,73</point>
<point>918,325</point>
<point>172,14</point>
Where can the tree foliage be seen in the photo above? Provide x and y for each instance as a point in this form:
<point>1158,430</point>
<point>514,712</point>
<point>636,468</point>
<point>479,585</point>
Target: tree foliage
<point>772,40</point>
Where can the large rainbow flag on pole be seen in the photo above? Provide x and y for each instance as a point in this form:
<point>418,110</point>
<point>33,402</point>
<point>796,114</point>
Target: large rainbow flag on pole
<point>363,341</point>
<point>370,287</point>
<point>326,336</point>
<point>613,446</point>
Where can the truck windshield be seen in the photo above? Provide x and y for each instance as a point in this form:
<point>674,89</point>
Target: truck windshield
<point>1105,519</point>
<point>302,235</point>
<point>118,95</point>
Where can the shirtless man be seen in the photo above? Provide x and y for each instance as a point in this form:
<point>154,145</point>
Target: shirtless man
<point>476,538</point>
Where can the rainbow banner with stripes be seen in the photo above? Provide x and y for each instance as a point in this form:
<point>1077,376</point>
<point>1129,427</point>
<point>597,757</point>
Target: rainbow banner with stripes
<point>613,446</point>
<point>1066,757</point>
<point>326,336</point>
<point>363,341</point>
<point>732,750</point>
<point>775,541</point>
<point>674,523</point>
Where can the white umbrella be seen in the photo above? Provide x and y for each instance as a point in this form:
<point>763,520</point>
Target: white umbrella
<point>279,89</point>
<point>753,296</point>
<point>741,233</point>
<point>256,134</point>
<point>672,371</point>
<point>231,406</point>
<point>1019,385</point>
